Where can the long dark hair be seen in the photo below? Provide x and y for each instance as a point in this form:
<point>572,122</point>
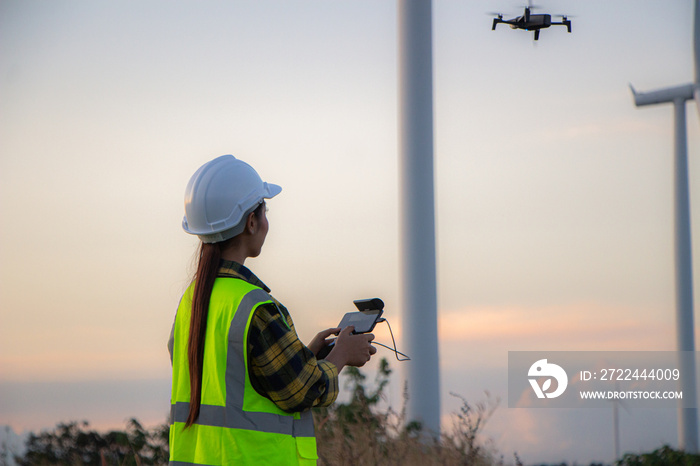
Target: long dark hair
<point>209,258</point>
<point>207,268</point>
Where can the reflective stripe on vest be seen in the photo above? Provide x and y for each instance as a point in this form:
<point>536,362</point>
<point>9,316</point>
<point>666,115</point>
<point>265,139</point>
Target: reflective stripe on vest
<point>223,434</point>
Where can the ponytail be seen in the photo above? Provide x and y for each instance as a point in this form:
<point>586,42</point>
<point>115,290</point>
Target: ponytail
<point>207,269</point>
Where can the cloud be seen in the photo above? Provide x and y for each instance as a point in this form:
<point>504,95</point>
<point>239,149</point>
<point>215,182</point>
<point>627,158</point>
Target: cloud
<point>575,326</point>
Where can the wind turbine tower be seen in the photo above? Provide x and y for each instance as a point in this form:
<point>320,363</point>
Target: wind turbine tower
<point>678,95</point>
<point>417,198</point>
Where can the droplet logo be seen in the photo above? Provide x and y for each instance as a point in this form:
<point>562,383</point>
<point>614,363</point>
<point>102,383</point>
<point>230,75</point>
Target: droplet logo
<point>544,369</point>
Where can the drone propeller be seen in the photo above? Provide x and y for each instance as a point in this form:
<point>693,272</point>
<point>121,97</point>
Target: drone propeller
<point>492,13</point>
<point>531,6</point>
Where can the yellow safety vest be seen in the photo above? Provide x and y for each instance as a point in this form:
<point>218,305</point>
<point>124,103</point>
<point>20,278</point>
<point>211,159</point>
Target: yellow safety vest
<point>236,425</point>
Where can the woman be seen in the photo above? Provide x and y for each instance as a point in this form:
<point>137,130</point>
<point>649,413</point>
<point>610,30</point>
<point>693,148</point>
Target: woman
<point>243,383</point>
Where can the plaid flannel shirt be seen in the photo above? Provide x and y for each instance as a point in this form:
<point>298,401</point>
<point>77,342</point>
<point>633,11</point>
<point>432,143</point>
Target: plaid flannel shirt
<point>280,366</point>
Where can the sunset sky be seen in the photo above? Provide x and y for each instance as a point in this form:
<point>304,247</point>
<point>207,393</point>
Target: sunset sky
<point>553,192</point>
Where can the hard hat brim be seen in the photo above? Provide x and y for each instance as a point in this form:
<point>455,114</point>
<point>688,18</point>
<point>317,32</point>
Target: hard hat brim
<point>272,190</point>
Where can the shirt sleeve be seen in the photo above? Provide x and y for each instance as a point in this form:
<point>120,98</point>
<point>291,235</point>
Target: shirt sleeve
<point>282,368</point>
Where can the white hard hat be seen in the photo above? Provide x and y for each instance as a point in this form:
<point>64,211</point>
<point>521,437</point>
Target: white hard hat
<point>220,195</point>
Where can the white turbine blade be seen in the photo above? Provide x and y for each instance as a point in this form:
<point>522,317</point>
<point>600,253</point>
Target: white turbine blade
<point>624,406</point>
<point>696,43</point>
<point>696,53</point>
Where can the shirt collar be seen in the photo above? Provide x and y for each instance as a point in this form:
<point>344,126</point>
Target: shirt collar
<point>232,269</point>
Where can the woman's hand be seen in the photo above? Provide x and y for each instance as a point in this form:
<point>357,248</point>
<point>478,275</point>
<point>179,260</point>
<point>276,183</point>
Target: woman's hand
<point>321,340</point>
<point>351,350</point>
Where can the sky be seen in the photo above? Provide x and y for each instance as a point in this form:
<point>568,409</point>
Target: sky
<point>553,192</point>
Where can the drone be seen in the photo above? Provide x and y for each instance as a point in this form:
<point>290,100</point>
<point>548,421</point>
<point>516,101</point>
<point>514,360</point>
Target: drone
<point>531,22</point>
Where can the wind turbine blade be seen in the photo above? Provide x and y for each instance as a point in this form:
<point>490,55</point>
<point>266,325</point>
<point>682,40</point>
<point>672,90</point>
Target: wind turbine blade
<point>696,43</point>
<point>625,406</point>
<point>696,53</point>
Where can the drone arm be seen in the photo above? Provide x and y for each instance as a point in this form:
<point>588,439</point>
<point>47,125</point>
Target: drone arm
<point>565,22</point>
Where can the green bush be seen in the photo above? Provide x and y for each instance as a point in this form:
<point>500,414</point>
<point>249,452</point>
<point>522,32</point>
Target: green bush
<point>662,457</point>
<point>76,444</point>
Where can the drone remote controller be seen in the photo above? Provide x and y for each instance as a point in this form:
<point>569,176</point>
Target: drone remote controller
<point>369,313</point>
